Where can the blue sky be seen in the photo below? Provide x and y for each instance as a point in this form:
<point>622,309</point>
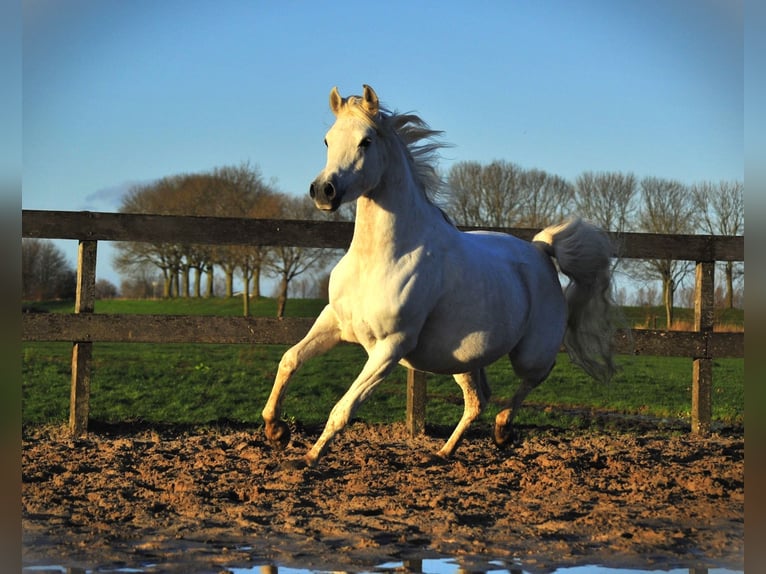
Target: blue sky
<point>117,93</point>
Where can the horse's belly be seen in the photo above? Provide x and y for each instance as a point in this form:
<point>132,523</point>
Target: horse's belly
<point>453,355</point>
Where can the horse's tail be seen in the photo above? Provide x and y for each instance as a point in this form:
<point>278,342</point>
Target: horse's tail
<point>582,251</point>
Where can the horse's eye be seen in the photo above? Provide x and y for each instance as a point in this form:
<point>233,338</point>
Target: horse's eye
<point>365,143</point>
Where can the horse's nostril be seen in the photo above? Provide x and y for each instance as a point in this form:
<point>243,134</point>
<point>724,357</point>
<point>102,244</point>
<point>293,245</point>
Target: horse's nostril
<point>312,193</point>
<point>329,190</point>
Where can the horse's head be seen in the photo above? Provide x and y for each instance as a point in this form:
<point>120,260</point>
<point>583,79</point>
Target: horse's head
<point>356,152</point>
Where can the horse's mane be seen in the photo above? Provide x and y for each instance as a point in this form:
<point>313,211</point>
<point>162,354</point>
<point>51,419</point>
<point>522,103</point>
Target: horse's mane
<point>420,141</point>
<point>423,147</point>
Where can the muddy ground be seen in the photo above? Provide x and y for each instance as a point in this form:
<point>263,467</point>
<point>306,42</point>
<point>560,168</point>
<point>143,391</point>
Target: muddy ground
<point>208,500</point>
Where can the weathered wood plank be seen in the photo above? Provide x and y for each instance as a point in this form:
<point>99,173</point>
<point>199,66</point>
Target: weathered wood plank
<point>726,345</point>
<point>334,234</point>
<point>680,343</point>
<point>702,369</point>
<point>85,296</point>
<point>185,229</point>
<point>79,395</point>
<point>680,247</point>
<point>416,402</point>
<point>162,328</point>
<point>702,396</point>
<point>659,343</point>
<point>82,352</point>
<point>272,331</point>
<point>704,297</point>
<point>656,245</point>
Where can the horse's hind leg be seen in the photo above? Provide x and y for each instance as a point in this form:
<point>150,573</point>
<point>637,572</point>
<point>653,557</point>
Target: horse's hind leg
<point>504,419</point>
<point>475,397</point>
<point>323,335</point>
<point>530,378</point>
<point>533,360</point>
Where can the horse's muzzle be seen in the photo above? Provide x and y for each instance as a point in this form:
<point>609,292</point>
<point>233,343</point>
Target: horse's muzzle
<point>325,195</point>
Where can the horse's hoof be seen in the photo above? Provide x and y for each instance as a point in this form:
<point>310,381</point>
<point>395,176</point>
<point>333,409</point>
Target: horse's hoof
<point>296,464</point>
<point>434,459</point>
<point>278,434</point>
<point>505,438</point>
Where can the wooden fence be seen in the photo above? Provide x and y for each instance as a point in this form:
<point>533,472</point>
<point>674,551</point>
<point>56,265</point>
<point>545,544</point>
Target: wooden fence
<point>84,328</point>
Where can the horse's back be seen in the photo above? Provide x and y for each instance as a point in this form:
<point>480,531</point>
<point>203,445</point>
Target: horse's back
<point>524,268</point>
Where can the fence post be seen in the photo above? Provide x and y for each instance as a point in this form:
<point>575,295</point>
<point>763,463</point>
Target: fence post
<point>82,351</point>
<point>416,402</point>
<point>702,370</point>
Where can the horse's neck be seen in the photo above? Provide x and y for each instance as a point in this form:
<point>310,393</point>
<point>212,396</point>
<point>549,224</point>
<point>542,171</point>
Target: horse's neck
<point>395,218</point>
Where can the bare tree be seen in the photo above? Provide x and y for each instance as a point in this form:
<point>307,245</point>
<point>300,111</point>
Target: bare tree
<point>142,283</point>
<point>547,198</point>
<point>489,195</point>
<point>607,199</point>
<point>502,194</point>
<point>160,198</point>
<point>45,273</point>
<point>288,262</point>
<point>251,260</point>
<point>242,192</point>
<point>233,191</point>
<point>666,208</point>
<point>105,289</point>
<point>197,194</point>
<point>721,211</point>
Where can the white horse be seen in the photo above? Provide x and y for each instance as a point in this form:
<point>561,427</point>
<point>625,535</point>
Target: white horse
<point>415,290</point>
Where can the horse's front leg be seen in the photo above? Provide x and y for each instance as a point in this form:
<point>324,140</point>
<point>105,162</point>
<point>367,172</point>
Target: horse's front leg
<point>323,335</point>
<point>382,359</point>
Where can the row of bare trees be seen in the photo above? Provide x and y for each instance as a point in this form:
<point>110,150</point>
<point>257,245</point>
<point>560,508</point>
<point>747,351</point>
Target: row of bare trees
<point>504,194</point>
<point>46,274</point>
<point>497,194</point>
<point>233,191</point>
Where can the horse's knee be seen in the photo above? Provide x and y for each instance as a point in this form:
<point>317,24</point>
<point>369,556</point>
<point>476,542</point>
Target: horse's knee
<point>288,364</point>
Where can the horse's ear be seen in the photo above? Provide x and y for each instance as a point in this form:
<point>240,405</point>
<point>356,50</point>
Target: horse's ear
<point>370,100</point>
<point>335,100</point>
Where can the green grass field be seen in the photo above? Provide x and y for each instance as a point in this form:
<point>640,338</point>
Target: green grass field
<point>210,384</point>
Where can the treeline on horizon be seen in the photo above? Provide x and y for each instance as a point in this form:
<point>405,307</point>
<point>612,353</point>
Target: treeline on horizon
<point>495,194</point>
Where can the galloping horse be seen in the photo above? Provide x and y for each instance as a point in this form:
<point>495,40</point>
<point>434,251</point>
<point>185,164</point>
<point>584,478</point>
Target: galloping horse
<point>415,290</point>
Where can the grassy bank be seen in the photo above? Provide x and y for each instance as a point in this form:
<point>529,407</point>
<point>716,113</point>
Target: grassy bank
<point>213,383</point>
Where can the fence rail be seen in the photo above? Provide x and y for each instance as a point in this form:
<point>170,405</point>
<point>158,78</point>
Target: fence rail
<point>84,328</point>
<point>120,328</point>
